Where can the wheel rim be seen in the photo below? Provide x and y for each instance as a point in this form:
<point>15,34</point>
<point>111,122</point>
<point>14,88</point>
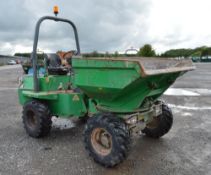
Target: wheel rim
<point>101,141</point>
<point>31,119</point>
<point>154,123</point>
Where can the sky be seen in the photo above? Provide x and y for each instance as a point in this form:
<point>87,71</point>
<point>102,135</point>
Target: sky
<point>106,25</point>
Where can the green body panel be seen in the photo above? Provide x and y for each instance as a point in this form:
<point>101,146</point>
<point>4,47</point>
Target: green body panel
<point>48,83</point>
<point>68,105</point>
<point>53,91</point>
<point>119,86</point>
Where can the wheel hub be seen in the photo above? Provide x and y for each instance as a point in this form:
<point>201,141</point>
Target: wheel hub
<point>154,123</point>
<point>31,119</point>
<point>101,141</point>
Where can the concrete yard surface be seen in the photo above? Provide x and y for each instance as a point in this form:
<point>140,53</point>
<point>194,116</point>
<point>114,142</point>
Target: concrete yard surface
<point>185,150</point>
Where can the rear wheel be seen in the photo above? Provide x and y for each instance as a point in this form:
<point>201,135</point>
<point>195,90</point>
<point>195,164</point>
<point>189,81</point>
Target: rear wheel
<point>36,119</point>
<point>160,125</point>
<point>107,139</point>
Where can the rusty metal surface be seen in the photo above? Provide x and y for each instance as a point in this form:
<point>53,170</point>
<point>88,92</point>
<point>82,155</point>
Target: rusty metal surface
<point>60,92</point>
<point>155,65</point>
<point>101,141</point>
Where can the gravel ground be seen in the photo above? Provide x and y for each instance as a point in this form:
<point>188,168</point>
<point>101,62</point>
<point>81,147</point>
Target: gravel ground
<point>186,149</point>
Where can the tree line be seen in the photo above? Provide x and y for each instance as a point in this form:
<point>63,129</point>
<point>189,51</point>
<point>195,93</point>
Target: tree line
<point>199,52</point>
<point>146,51</point>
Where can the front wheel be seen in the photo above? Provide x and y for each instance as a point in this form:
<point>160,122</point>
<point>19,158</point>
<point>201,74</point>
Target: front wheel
<point>107,139</point>
<point>36,119</point>
<point>160,125</point>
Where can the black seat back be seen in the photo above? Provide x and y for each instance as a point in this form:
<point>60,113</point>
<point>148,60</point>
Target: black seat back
<point>53,60</point>
<point>54,65</point>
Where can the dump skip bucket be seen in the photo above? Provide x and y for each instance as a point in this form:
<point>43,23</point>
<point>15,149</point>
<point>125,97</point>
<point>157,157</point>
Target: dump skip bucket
<point>123,84</point>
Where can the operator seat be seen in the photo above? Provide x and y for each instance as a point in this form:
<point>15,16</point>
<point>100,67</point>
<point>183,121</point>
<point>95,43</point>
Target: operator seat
<point>54,66</point>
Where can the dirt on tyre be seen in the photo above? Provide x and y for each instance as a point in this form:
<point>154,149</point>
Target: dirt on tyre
<point>36,119</point>
<point>107,139</point>
<point>160,124</point>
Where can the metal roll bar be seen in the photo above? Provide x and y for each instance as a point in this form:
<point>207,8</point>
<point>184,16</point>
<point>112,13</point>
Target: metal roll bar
<point>36,37</point>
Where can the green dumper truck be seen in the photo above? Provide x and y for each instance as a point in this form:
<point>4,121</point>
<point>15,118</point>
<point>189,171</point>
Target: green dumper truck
<point>119,96</point>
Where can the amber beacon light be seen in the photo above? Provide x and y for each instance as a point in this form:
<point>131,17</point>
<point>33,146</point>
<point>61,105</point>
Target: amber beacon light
<point>56,10</point>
